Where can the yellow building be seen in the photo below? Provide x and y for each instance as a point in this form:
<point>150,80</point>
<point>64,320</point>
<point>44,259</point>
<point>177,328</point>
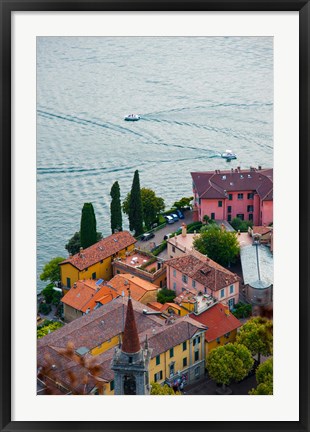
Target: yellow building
<point>177,349</point>
<point>95,262</point>
<point>141,290</point>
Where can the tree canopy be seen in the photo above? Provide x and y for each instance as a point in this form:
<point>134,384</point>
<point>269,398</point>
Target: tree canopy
<point>241,225</point>
<point>151,204</point>
<point>88,231</point>
<point>183,202</point>
<point>165,295</point>
<point>51,270</point>
<point>116,209</point>
<point>135,208</point>
<point>74,243</point>
<point>264,378</point>
<point>158,389</point>
<point>257,335</point>
<point>220,245</point>
<point>227,363</point>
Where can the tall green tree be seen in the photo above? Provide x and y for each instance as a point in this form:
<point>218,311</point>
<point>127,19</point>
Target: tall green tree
<point>264,378</point>
<point>135,211</point>
<point>220,245</point>
<point>88,231</point>
<point>151,204</point>
<point>51,270</point>
<point>116,210</point>
<point>227,363</point>
<point>257,335</point>
<point>184,202</point>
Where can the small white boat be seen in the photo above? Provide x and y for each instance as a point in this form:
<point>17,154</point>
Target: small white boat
<point>229,155</point>
<point>132,117</point>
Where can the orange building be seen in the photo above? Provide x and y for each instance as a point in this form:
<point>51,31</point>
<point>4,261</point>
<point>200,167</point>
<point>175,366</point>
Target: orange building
<point>141,290</point>
<point>221,326</point>
<point>84,297</point>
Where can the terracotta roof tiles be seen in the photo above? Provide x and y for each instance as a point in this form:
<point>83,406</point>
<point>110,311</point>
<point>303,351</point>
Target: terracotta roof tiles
<point>101,250</point>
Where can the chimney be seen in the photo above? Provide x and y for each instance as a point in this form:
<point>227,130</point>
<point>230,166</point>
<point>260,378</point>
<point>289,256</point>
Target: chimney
<point>194,233</point>
<point>74,285</point>
<point>184,230</point>
<point>81,250</point>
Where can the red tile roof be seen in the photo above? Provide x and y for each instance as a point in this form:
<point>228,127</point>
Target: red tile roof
<point>101,250</point>
<point>86,294</point>
<point>218,321</point>
<point>138,287</point>
<point>261,230</point>
<point>203,270</point>
<point>218,184</point>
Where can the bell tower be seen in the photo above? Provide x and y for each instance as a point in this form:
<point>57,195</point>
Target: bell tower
<point>130,361</point>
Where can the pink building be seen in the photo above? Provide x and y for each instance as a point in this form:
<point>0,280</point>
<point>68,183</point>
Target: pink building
<point>224,195</point>
<point>197,273</point>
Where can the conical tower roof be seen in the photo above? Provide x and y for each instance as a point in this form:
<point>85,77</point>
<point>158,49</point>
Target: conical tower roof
<point>131,343</point>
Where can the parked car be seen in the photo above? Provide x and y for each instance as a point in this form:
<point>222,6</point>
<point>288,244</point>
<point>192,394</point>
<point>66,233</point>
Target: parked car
<point>166,236</point>
<point>174,216</point>
<point>147,236</point>
<point>180,214</point>
<point>169,219</point>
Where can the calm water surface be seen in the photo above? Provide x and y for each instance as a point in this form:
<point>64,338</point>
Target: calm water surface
<point>196,96</point>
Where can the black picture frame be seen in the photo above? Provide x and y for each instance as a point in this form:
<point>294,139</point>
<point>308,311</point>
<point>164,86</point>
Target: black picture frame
<point>7,7</point>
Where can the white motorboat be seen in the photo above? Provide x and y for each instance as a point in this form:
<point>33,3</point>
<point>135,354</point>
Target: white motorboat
<point>132,117</point>
<point>229,155</point>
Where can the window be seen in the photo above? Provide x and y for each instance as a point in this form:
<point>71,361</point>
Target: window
<point>250,216</point>
<point>218,340</point>
<point>158,360</point>
<point>130,360</point>
<point>158,376</point>
<point>193,284</point>
<point>231,289</point>
<point>227,335</point>
<point>196,341</point>
<point>171,369</point>
<point>250,195</point>
<point>229,218</point>
<point>222,292</point>
<point>229,209</point>
<point>185,361</point>
<point>230,197</point>
<point>240,216</point>
<point>250,208</point>
<point>173,248</point>
<point>68,283</point>
<point>174,273</point>
<point>220,203</point>
<point>184,346</point>
<point>171,352</point>
<point>212,215</point>
<point>93,276</point>
<point>184,278</point>
<point>196,356</point>
<point>101,261</point>
<point>197,371</point>
<point>240,196</point>
<point>117,272</point>
<point>174,286</point>
<point>112,385</point>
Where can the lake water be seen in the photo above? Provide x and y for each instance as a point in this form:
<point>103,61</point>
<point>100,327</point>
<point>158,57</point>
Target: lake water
<point>197,97</point>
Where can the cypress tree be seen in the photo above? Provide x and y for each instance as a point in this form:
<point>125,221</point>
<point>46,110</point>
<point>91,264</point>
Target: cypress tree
<point>116,210</point>
<point>88,230</point>
<point>135,206</point>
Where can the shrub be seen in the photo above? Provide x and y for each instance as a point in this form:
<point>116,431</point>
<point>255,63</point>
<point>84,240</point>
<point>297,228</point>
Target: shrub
<point>160,248</point>
<point>48,327</point>
<point>242,310</point>
<point>165,295</point>
<point>241,225</point>
<point>44,308</point>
